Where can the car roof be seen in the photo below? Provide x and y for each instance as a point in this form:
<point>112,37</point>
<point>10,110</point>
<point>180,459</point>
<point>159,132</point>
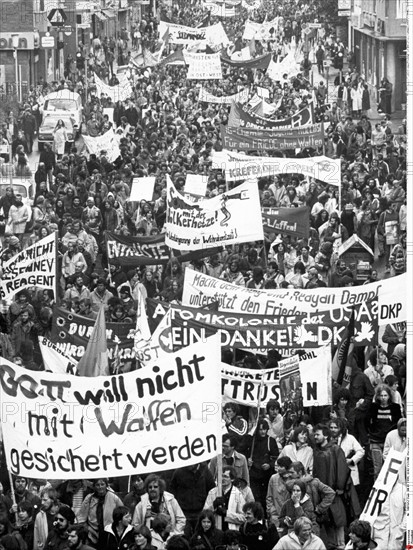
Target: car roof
<point>63,94</point>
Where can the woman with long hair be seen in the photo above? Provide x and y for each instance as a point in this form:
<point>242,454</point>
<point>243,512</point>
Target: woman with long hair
<point>206,535</point>
<point>59,138</point>
<point>383,417</point>
<point>299,449</point>
<point>262,456</point>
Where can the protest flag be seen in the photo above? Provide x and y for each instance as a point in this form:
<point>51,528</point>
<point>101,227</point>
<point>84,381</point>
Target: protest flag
<point>95,361</point>
<point>343,355</point>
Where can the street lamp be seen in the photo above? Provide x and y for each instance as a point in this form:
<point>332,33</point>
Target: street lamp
<point>15,44</point>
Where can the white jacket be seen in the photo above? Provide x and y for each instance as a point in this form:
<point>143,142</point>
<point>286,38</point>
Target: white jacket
<point>291,542</point>
<point>348,444</point>
<point>235,516</point>
<point>178,519</point>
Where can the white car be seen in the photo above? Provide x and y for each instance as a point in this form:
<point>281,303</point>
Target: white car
<point>62,105</point>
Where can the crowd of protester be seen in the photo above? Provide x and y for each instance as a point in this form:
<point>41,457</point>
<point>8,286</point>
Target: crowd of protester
<point>302,478</point>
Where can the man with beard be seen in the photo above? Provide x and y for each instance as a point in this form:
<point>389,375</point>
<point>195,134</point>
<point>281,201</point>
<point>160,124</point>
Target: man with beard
<point>57,537</point>
<point>330,467</point>
<point>23,330</point>
<point>22,494</point>
<point>77,538</point>
<point>156,500</point>
<point>45,518</point>
<point>18,217</point>
<point>230,505</point>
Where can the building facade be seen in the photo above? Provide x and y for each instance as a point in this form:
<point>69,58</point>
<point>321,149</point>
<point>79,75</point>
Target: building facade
<point>378,31</point>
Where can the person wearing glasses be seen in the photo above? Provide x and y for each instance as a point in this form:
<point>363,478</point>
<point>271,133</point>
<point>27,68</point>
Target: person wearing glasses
<point>57,537</point>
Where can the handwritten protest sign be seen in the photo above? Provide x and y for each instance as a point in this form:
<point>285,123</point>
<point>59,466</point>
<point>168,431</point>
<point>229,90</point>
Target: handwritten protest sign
<point>106,142</point>
<point>238,166</point>
<point>212,222</point>
<point>245,139</point>
<point>252,387</point>
<point>33,266</point>
<point>165,415</point>
<point>202,66</point>
<point>389,296</point>
<point>240,97</point>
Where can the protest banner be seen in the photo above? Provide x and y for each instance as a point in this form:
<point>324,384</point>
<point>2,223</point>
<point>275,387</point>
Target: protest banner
<point>71,334</point>
<point>248,139</point>
<point>239,116</point>
<point>261,62</point>
<point>142,189</point>
<point>239,97</point>
<point>251,387</point>
<point>238,166</point>
<point>261,31</point>
<point>288,221</point>
<point>120,92</point>
<point>380,493</point>
<point>180,34</point>
<point>33,266</point>
<point>202,66</point>
<point>262,332</point>
<point>388,297</point>
<point>107,142</point>
<point>54,359</point>
<point>165,415</point>
<point>288,66</point>
<point>134,251</point>
<point>216,221</point>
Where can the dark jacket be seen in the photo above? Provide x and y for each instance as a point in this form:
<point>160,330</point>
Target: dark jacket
<point>191,487</point>
<point>111,541</point>
<point>380,427</point>
<point>330,467</point>
<point>360,388</point>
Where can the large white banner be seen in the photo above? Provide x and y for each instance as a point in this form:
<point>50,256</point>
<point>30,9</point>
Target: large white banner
<point>107,142</point>
<point>202,66</point>
<point>164,416</point>
<point>33,266</point>
<point>256,387</point>
<point>238,166</point>
<point>390,294</point>
<point>120,92</point>
<point>213,222</point>
<point>180,34</point>
<point>380,493</point>
<point>240,97</point>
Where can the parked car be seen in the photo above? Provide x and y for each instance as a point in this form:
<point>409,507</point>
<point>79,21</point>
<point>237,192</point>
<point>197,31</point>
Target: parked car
<point>62,105</point>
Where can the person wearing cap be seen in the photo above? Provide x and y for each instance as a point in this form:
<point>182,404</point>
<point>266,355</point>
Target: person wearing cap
<point>57,537</point>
